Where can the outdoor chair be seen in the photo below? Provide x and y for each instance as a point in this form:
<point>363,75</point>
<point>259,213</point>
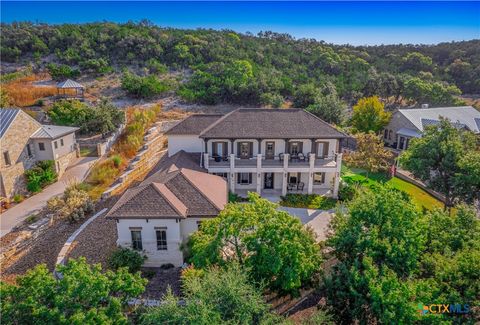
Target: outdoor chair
<point>280,156</point>
<point>290,186</point>
<point>300,186</point>
<point>301,157</point>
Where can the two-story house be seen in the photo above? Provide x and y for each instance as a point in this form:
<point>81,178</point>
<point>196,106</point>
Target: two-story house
<point>270,151</point>
<point>24,141</point>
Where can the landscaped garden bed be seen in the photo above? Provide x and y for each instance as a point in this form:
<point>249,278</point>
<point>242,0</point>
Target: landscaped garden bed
<point>308,201</point>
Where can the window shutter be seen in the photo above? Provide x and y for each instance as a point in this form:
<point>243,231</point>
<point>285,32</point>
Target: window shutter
<point>238,178</point>
<point>250,146</point>
<point>300,147</point>
<point>225,149</point>
<point>238,149</point>
<point>325,149</point>
<point>214,148</point>
<point>249,178</point>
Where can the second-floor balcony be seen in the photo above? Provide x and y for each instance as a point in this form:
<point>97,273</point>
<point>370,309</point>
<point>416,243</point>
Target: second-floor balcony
<point>299,160</point>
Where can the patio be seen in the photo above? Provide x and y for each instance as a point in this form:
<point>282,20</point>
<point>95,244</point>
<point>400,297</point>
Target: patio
<point>274,195</point>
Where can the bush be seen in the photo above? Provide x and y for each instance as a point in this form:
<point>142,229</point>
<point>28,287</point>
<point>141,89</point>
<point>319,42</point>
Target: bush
<point>156,67</point>
<point>144,87</point>
<point>41,175</point>
<point>309,201</point>
<point>74,204</point>
<point>347,191</point>
<point>62,71</point>
<point>117,160</point>
<point>17,198</point>
<point>103,118</point>
<point>125,257</point>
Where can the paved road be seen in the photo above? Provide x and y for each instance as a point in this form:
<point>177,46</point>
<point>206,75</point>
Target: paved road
<point>317,219</point>
<point>12,217</point>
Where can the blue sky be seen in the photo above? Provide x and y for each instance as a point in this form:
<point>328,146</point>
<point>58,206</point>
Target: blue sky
<point>334,22</point>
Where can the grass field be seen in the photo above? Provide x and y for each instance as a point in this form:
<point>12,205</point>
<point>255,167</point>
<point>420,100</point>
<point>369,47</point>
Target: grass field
<point>419,196</point>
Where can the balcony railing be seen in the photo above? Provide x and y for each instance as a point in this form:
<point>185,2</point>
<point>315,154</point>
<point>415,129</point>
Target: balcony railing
<point>280,161</point>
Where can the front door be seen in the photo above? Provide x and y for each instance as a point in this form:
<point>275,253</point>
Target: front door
<point>245,150</point>
<point>270,150</point>
<point>268,181</point>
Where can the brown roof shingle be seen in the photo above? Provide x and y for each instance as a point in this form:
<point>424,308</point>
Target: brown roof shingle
<point>270,123</point>
<point>173,192</point>
<point>194,124</point>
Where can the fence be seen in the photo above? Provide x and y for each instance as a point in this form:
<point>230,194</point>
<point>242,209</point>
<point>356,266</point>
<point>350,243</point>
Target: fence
<point>97,146</point>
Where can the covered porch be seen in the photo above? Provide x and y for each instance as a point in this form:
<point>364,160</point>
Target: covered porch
<point>274,195</point>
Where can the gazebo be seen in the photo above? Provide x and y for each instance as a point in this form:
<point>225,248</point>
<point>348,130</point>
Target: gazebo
<point>70,89</point>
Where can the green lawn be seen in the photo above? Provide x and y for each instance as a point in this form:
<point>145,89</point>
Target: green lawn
<point>419,196</point>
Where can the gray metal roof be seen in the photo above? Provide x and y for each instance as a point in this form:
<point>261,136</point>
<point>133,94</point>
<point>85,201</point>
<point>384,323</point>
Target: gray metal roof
<point>409,133</point>
<point>69,83</point>
<point>7,115</point>
<point>53,131</point>
<point>461,115</point>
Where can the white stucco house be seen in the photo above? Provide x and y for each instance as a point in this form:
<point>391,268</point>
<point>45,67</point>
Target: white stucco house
<point>270,151</point>
<point>160,214</point>
<point>406,124</point>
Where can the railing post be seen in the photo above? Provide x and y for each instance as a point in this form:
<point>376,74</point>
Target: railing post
<point>205,160</point>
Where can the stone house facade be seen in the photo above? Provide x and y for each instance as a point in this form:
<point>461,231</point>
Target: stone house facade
<point>24,141</point>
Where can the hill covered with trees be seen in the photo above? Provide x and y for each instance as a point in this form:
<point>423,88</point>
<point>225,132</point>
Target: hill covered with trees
<point>264,69</point>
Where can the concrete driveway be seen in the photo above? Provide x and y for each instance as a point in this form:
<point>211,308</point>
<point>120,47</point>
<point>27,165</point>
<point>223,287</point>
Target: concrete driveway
<point>317,219</point>
<point>76,172</point>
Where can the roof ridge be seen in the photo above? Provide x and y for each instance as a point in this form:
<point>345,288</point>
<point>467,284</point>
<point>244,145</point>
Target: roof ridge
<point>199,190</point>
<point>139,189</point>
<point>324,122</point>
<point>161,186</point>
<point>217,121</point>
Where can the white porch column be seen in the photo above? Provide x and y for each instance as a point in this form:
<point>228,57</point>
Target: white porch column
<point>311,160</point>
<point>285,160</point>
<point>259,174</point>
<point>284,183</point>
<point>205,160</point>
<point>232,173</point>
<point>336,181</point>
<point>310,183</point>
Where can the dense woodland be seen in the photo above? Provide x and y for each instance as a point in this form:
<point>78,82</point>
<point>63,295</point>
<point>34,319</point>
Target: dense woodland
<point>264,69</point>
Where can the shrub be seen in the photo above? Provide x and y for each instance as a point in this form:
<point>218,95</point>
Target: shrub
<point>156,67</point>
<point>31,219</point>
<point>144,87</point>
<point>62,71</point>
<point>347,191</point>
<point>117,160</point>
<point>103,174</point>
<point>17,198</point>
<point>309,201</point>
<point>125,257</point>
<point>103,118</point>
<point>74,204</point>
<point>41,175</point>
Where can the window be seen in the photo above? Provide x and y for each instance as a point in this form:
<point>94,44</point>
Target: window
<point>55,144</point>
<point>6,157</point>
<point>293,178</point>
<point>161,239</point>
<point>402,141</point>
<point>322,149</point>
<point>41,146</point>
<point>390,135</point>
<point>385,134</point>
<point>29,151</point>
<point>294,148</point>
<point>244,178</point>
<point>137,240</point>
<point>318,178</point>
<point>61,142</point>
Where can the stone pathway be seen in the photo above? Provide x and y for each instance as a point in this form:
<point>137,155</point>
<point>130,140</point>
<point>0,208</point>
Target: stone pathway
<point>12,217</point>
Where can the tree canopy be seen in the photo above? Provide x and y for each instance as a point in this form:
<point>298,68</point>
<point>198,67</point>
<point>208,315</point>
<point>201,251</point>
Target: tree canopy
<point>446,158</point>
<point>224,66</point>
<point>392,257</point>
<point>369,115</point>
<point>82,295</point>
<point>274,246</point>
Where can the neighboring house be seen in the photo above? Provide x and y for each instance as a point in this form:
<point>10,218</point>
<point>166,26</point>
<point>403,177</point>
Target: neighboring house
<point>159,215</point>
<point>270,151</point>
<point>24,141</point>
<point>406,124</point>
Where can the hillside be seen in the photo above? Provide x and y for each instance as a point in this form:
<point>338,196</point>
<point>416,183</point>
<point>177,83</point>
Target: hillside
<point>215,67</point>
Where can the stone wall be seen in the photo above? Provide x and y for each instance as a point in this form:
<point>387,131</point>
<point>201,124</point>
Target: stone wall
<point>15,141</point>
<point>144,161</point>
<point>63,162</point>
